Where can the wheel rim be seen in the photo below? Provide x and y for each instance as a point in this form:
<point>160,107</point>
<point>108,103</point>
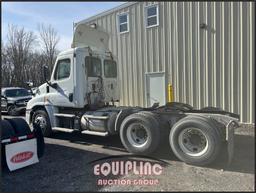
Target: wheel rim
<point>193,141</point>
<point>41,121</point>
<point>137,135</point>
<point>11,110</point>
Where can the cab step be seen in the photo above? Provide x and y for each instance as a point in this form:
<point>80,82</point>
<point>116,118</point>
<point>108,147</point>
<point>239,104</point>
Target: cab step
<point>103,134</point>
<point>95,117</point>
<point>63,129</point>
<point>64,115</point>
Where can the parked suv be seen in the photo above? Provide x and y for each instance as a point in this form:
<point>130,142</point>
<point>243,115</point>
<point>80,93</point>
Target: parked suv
<point>14,100</point>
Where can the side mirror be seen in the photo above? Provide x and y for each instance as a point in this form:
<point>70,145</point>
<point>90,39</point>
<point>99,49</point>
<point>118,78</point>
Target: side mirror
<point>30,84</point>
<point>54,85</point>
<point>46,72</point>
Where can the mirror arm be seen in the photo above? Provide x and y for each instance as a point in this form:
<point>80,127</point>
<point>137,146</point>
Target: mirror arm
<point>33,94</point>
<point>48,83</point>
<point>54,85</point>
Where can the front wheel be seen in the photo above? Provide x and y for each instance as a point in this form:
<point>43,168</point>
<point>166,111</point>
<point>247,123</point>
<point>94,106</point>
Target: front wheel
<point>195,140</point>
<point>40,119</point>
<point>12,110</point>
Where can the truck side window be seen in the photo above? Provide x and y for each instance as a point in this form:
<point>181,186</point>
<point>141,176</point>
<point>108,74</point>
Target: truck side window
<point>62,70</point>
<point>110,70</point>
<point>93,66</point>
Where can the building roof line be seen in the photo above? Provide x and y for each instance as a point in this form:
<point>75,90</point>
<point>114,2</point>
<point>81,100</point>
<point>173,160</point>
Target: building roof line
<point>107,12</point>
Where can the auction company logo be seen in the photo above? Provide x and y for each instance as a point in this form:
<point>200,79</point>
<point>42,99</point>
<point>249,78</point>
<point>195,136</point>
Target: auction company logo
<point>119,168</point>
<point>22,157</point>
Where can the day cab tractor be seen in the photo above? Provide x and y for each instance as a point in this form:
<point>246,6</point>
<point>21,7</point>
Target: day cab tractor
<point>20,147</point>
<point>82,92</point>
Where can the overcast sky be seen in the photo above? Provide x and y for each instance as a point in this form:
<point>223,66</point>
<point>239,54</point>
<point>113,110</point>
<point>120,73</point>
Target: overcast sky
<point>60,15</point>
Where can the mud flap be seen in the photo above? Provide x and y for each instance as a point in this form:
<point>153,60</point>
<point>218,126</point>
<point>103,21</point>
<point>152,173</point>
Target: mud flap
<point>21,154</point>
<point>230,135</point>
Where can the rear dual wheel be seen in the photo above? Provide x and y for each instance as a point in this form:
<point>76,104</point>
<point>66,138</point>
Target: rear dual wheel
<point>195,140</point>
<point>140,133</point>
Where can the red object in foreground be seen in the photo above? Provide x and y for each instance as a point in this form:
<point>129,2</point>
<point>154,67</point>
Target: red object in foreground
<point>22,157</point>
<point>14,139</point>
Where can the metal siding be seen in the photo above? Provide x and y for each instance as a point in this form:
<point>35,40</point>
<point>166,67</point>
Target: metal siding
<point>207,67</point>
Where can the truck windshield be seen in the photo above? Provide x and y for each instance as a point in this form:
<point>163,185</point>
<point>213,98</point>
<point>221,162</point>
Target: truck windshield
<point>93,66</point>
<point>17,93</point>
<point>110,70</point>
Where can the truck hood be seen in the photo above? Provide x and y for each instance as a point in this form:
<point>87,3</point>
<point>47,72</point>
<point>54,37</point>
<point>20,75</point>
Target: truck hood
<point>41,89</point>
<point>18,98</point>
<point>85,35</point>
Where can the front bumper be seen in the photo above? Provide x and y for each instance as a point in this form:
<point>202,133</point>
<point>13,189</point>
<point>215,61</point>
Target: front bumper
<point>27,115</point>
<point>20,108</point>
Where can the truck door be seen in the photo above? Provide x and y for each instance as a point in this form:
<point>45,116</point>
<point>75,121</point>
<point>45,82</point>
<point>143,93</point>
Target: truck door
<point>64,77</point>
<point>155,88</point>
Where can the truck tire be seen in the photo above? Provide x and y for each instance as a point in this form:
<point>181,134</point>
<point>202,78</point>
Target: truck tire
<point>140,134</point>
<point>40,118</point>
<point>20,126</point>
<point>7,130</point>
<point>195,140</point>
<point>11,110</point>
<point>163,128</point>
<point>40,140</point>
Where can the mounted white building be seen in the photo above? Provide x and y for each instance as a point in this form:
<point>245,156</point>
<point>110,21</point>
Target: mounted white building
<point>205,50</point>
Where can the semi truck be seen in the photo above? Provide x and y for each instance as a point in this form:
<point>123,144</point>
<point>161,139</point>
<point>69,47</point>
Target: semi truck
<point>82,94</point>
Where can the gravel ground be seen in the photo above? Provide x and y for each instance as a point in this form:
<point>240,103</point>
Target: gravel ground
<point>65,167</point>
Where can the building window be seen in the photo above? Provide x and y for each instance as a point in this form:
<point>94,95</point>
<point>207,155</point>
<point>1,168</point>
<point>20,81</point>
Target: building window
<point>123,23</point>
<point>152,15</point>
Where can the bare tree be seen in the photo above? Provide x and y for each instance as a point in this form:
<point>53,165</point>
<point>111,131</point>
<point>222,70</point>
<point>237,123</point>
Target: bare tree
<point>6,70</point>
<point>49,39</point>
<point>19,44</point>
<point>20,63</point>
<point>37,61</point>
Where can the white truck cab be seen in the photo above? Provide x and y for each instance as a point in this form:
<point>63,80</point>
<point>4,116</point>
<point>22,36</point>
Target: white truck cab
<point>83,77</point>
<point>82,92</point>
